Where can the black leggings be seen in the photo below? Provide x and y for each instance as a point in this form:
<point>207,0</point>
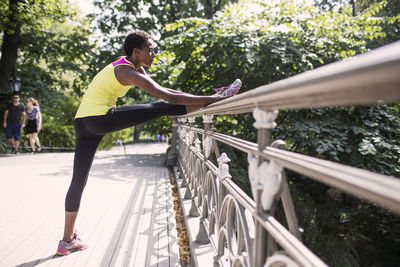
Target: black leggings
<point>90,130</point>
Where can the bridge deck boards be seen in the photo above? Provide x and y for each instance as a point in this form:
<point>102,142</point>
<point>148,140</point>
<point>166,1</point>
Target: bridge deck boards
<point>126,214</point>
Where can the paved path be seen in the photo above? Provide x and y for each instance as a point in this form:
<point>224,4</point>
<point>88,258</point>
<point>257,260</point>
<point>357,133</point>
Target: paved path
<point>126,214</point>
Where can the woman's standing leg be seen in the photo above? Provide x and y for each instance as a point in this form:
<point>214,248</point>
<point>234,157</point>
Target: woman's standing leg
<point>32,142</point>
<point>36,140</point>
<point>84,155</point>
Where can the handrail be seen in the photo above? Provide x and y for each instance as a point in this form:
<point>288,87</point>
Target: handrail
<point>365,79</point>
<point>376,188</point>
<point>371,186</point>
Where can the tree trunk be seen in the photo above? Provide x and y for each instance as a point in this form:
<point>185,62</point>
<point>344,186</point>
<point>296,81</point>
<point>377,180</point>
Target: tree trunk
<point>136,134</point>
<point>353,8</point>
<point>9,49</point>
<point>209,9</point>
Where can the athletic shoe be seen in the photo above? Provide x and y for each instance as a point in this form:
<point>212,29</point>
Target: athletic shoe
<point>76,244</point>
<point>229,90</point>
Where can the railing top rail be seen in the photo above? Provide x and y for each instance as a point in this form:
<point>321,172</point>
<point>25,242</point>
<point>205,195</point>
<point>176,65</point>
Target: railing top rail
<point>365,79</point>
<point>377,188</point>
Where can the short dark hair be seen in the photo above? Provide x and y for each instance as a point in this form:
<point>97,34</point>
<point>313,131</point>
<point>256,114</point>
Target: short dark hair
<point>136,39</point>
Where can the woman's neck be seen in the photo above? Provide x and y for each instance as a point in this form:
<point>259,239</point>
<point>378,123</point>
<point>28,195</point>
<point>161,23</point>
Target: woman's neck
<point>137,66</point>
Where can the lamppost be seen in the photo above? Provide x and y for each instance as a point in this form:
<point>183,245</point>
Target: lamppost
<point>15,84</point>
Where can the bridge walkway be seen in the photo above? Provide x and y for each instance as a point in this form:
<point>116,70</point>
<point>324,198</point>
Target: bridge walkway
<point>126,215</point>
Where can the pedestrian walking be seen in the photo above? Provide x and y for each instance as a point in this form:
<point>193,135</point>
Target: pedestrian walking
<point>34,123</point>
<point>12,122</point>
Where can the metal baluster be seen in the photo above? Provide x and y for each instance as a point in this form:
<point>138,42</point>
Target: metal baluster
<point>173,152</point>
<point>202,235</point>
<point>264,124</point>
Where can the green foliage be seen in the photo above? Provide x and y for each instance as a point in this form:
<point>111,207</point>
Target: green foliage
<point>3,142</point>
<point>160,126</point>
<point>109,140</point>
<point>56,60</point>
<point>258,42</point>
<point>62,111</point>
<point>57,136</point>
<point>55,65</point>
<point>261,42</point>
<point>364,137</point>
<point>35,15</point>
<point>149,15</point>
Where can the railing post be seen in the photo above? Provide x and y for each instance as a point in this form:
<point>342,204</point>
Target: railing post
<point>182,148</point>
<point>264,124</point>
<point>202,235</point>
<point>207,120</point>
<point>173,152</point>
<point>188,192</point>
<point>287,201</point>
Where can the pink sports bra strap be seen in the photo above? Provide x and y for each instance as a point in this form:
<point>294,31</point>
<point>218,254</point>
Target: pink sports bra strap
<point>122,61</point>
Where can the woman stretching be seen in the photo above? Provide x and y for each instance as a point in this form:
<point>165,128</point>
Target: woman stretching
<point>98,116</point>
<point>34,124</point>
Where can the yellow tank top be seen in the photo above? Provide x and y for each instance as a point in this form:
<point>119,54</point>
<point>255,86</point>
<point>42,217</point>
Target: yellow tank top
<point>103,91</point>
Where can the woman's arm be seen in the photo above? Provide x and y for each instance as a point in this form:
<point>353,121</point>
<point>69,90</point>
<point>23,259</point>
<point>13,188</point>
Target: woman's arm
<point>128,76</point>
<point>39,121</point>
<point>177,92</point>
<point>5,118</point>
<point>24,119</point>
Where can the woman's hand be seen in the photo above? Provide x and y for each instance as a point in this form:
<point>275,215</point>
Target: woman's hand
<point>217,97</point>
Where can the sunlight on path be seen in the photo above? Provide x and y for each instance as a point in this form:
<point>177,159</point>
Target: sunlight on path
<point>32,196</point>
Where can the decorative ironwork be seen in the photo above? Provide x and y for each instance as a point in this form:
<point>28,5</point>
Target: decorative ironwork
<point>264,119</point>
<point>228,218</point>
<point>223,167</point>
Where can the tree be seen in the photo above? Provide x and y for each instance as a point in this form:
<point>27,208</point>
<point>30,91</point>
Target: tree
<point>114,19</point>
<point>24,16</point>
<point>50,54</point>
<point>11,39</point>
<point>387,10</point>
<point>149,15</point>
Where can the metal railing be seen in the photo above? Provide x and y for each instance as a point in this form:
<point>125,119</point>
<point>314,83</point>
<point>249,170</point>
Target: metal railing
<point>242,230</point>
